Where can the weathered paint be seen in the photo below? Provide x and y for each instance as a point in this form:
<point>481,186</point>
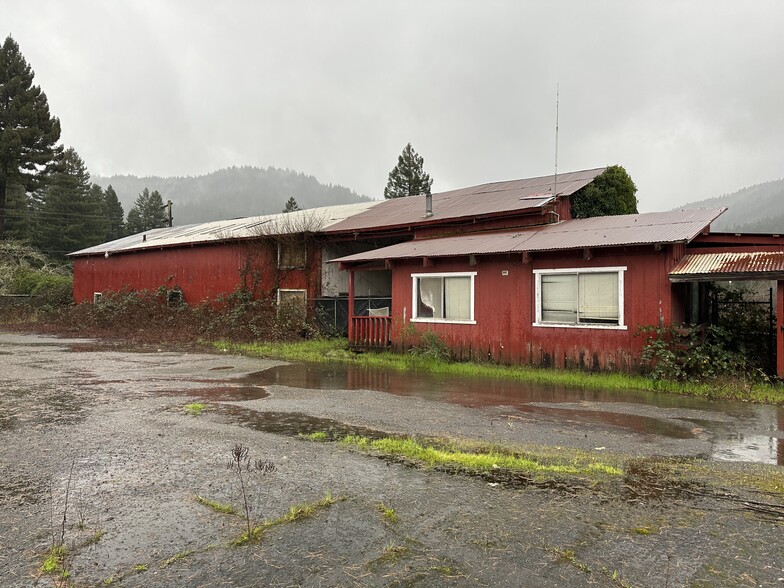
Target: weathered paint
<point>201,272</point>
<point>534,218</point>
<point>504,310</point>
<point>780,329</point>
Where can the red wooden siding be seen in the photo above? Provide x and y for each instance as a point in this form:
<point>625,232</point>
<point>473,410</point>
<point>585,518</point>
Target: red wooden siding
<point>202,273</point>
<point>780,329</point>
<point>505,308</point>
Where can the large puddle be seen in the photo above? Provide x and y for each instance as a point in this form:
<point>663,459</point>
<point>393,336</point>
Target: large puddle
<point>738,431</point>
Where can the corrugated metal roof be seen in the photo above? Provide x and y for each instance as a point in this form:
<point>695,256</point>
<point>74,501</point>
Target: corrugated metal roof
<point>307,220</point>
<point>605,231</point>
<point>485,199</point>
<point>729,266</point>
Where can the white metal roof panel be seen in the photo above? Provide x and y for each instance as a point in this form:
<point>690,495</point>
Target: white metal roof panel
<point>307,220</point>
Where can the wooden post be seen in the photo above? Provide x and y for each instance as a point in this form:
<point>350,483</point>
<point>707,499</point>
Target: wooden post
<point>350,306</point>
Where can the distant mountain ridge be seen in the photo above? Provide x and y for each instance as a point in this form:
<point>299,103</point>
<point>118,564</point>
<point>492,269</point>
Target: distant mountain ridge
<point>230,192</point>
<point>755,209</point>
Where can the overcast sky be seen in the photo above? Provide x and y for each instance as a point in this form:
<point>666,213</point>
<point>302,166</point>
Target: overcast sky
<point>688,96</point>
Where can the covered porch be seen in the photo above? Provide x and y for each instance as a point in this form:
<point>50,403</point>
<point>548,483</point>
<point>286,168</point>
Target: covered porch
<point>369,327</point>
<point>739,266</point>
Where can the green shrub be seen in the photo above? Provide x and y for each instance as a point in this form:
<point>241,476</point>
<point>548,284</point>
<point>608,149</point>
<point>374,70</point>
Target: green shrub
<point>52,289</point>
<point>685,353</point>
<point>429,345</point>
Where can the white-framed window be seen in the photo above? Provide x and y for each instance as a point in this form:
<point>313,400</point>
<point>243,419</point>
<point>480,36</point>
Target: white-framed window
<point>97,297</point>
<point>589,298</point>
<point>292,302</point>
<point>443,298</point>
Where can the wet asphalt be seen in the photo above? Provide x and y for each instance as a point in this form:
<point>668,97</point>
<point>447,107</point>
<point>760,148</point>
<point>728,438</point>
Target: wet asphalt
<point>104,427</point>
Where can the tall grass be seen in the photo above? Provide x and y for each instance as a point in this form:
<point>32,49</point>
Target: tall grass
<point>336,351</point>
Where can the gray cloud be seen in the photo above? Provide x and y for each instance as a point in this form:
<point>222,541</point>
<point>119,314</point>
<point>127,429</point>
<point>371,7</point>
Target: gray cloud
<point>686,95</point>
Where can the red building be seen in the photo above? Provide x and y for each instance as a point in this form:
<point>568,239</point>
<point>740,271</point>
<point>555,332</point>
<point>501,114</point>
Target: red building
<point>277,255</point>
<point>499,271</point>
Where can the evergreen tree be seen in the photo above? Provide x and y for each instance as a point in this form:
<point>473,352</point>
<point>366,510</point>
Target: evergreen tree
<point>291,205</point>
<point>611,193</point>
<point>408,178</point>
<point>18,215</point>
<point>147,213</point>
<point>28,133</point>
<point>115,214</point>
<point>70,212</point>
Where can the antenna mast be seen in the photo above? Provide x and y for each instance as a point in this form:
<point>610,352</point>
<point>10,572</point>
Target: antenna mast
<point>555,176</point>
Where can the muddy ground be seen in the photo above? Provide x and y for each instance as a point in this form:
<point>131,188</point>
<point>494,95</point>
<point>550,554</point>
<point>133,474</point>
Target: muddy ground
<point>112,420</point>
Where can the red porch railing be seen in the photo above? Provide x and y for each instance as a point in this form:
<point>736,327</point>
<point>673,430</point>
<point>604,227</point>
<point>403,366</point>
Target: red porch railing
<point>370,332</point>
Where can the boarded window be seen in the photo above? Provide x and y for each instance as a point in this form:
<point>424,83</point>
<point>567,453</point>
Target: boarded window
<point>292,254</point>
<point>292,303</point>
<point>444,297</point>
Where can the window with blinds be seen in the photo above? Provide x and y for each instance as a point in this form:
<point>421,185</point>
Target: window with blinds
<point>580,297</point>
<point>443,297</point>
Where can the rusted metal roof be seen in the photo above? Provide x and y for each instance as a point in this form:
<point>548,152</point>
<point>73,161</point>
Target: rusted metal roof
<point>485,199</point>
<point>299,221</point>
<point>696,267</point>
<point>606,231</point>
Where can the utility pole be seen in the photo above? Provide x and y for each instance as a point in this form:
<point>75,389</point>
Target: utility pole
<point>168,208</point>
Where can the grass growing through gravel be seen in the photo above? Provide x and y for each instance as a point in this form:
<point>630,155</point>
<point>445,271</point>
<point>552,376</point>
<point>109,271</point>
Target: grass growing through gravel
<point>195,408</point>
<point>216,506</point>
<point>317,436</point>
<point>336,351</point>
<point>175,558</point>
<point>53,565</point>
<point>474,457</point>
<point>295,513</point>
<point>387,512</point>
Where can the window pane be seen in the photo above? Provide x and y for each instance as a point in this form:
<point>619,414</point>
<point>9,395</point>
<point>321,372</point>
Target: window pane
<point>599,298</point>
<point>559,298</point>
<point>292,254</point>
<point>458,298</point>
<point>293,302</point>
<point>430,303</point>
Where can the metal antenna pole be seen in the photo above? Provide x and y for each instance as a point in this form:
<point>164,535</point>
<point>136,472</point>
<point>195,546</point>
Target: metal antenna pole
<point>555,176</point>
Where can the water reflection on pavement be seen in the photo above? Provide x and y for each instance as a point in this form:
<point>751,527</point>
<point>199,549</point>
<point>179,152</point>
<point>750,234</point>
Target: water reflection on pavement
<point>738,431</point>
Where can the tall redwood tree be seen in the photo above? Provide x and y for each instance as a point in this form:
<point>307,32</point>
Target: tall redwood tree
<point>28,132</point>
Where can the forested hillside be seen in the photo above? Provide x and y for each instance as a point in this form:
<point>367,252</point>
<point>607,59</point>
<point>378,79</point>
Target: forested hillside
<point>230,193</point>
<point>756,209</point>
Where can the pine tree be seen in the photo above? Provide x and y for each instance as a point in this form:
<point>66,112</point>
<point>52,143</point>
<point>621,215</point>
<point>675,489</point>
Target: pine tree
<point>291,205</point>
<point>115,214</point>
<point>28,133</point>
<point>408,178</point>
<point>70,212</point>
<point>18,215</point>
<point>147,213</point>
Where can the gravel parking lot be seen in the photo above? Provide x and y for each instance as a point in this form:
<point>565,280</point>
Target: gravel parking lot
<point>105,428</point>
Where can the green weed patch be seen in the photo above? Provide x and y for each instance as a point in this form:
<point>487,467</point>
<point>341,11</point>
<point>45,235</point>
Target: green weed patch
<point>477,458</point>
<point>295,513</point>
<point>195,408</point>
<point>216,506</point>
